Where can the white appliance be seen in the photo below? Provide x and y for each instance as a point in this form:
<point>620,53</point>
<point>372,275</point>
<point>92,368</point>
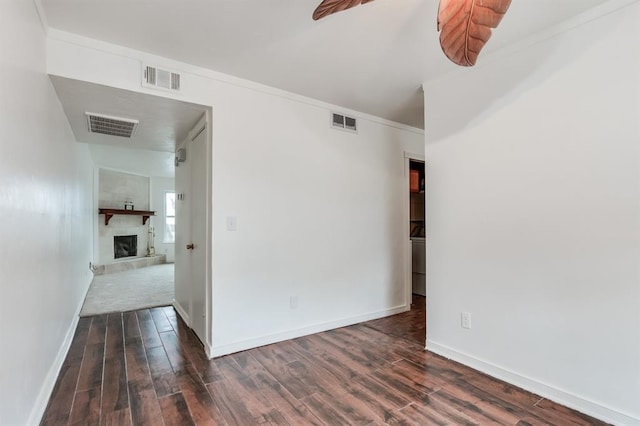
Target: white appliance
<point>418,266</point>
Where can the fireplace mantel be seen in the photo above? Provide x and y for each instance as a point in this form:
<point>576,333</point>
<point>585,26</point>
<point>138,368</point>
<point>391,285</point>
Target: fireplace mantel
<point>109,213</point>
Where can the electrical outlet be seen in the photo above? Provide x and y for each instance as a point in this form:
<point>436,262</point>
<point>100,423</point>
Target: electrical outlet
<point>293,302</point>
<point>231,223</point>
<point>465,320</point>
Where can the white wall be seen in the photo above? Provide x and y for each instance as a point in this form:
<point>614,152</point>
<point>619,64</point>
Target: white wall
<point>533,208</point>
<point>319,211</point>
<point>114,189</point>
<point>45,231</point>
<point>160,186</point>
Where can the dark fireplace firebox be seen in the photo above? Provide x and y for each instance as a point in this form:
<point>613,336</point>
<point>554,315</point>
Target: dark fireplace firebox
<point>125,246</point>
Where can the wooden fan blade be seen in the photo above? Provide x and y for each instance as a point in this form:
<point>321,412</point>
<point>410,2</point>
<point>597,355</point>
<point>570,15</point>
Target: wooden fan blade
<point>465,27</point>
<point>327,7</point>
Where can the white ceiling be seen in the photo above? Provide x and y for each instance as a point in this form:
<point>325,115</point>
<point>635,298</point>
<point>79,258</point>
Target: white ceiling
<point>162,124</point>
<point>136,161</point>
<point>163,121</point>
<point>372,58</point>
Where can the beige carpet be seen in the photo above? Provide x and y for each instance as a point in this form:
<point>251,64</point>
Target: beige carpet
<point>129,290</point>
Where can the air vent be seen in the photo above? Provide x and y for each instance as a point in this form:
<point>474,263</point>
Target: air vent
<point>158,78</point>
<point>112,126</point>
<point>343,122</point>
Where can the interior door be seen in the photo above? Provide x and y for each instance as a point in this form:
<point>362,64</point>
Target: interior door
<point>198,212</point>
<point>191,231</point>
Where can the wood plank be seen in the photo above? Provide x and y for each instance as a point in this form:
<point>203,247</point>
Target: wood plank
<point>115,334</point>
<point>161,321</point>
<point>172,316</point>
<point>86,408</point>
<point>201,405</point>
<point>138,372</point>
<point>424,381</point>
<point>175,411</point>
<point>435,405</point>
<point>148,330</point>
<point>564,415</point>
<point>382,400</point>
<point>61,400</point>
<point>293,410</point>
<point>194,352</point>
<point>355,336</point>
<point>116,418</point>
<point>365,354</point>
<point>174,351</point>
<point>91,370</point>
<point>79,342</point>
<point>248,364</point>
<point>275,418</point>
<point>231,407</point>
<point>131,327</point>
<point>143,402</point>
<point>347,408</point>
<point>467,404</point>
<point>98,330</point>
<point>419,415</point>
<point>115,393</point>
<point>145,408</point>
<point>334,361</point>
<point>164,379</point>
<point>293,375</point>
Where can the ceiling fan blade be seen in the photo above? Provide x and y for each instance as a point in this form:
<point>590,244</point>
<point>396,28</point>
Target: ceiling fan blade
<point>465,27</point>
<point>327,7</point>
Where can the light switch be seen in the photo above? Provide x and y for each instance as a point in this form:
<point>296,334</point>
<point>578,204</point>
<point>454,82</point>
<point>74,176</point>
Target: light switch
<point>231,223</point>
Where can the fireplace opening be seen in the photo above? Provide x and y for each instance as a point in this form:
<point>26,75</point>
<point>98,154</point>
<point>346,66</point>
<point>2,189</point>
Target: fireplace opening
<point>125,246</point>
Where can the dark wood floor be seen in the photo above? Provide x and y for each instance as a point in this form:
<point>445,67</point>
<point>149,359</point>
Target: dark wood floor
<point>146,368</point>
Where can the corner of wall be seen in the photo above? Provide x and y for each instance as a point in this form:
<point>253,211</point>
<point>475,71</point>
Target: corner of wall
<point>544,390</point>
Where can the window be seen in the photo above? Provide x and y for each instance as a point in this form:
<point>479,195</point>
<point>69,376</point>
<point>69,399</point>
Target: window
<point>169,217</point>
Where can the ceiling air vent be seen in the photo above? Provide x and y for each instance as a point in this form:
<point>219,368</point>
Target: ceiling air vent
<point>160,79</point>
<point>343,122</point>
<point>112,126</point>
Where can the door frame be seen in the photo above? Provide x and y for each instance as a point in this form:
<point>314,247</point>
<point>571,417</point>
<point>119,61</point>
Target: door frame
<point>185,312</point>
<point>408,156</point>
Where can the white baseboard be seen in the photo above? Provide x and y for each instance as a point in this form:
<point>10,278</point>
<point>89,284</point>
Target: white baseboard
<point>586,406</point>
<point>49,383</point>
<point>182,312</point>
<point>255,342</point>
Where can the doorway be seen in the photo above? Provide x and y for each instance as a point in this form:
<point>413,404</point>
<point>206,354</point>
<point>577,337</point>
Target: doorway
<point>411,325</point>
<point>141,170</point>
<point>415,185</point>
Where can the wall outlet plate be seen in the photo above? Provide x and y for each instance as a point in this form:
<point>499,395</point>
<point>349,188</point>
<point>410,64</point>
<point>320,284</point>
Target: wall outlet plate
<point>465,320</point>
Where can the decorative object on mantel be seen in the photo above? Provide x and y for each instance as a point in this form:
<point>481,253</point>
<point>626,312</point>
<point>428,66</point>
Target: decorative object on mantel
<point>108,214</point>
<point>128,205</point>
<point>151,250</point>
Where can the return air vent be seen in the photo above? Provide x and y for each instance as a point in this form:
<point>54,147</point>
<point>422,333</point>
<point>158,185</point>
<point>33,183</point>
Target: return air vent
<point>343,122</point>
<point>160,79</point>
<point>112,126</point>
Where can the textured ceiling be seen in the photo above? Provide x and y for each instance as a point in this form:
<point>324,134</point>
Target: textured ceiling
<point>163,121</point>
<point>372,58</point>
